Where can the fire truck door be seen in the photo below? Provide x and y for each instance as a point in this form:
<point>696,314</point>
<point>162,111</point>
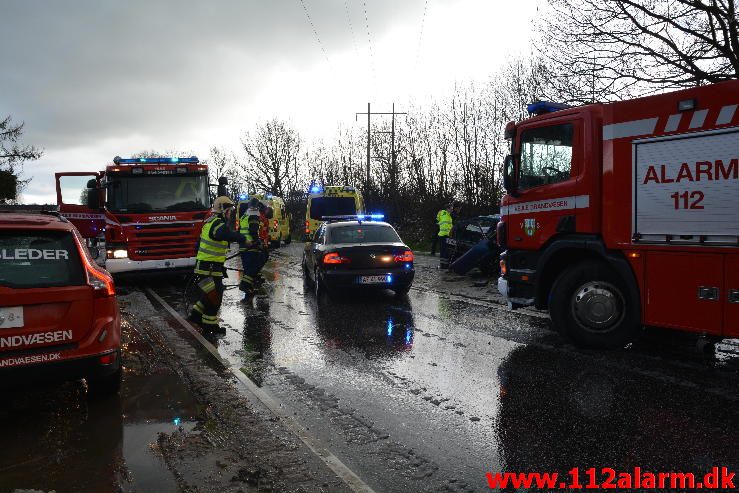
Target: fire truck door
<point>731,298</point>
<point>80,199</point>
<point>550,192</point>
<point>685,291</point>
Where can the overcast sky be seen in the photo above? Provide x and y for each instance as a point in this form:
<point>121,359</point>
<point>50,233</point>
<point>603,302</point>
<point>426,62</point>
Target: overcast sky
<point>102,78</point>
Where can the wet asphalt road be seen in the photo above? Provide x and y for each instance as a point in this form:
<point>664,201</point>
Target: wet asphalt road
<point>430,391</point>
<point>419,393</point>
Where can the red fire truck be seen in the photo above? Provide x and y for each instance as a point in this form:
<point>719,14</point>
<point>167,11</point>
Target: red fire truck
<point>624,215</point>
<point>142,214</point>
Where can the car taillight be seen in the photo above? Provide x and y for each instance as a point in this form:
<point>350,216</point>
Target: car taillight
<point>503,268</point>
<point>335,258</point>
<point>500,234</point>
<point>100,280</point>
<point>406,256</point>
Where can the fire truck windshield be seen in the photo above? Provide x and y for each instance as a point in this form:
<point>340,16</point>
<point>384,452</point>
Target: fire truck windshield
<point>145,193</point>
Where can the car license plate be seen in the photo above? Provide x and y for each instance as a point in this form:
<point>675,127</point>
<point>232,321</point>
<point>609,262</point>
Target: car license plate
<point>374,279</point>
<point>11,316</point>
<point>451,241</point>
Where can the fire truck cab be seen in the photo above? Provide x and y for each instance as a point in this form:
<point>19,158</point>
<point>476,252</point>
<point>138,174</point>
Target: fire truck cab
<point>141,214</point>
<point>624,215</point>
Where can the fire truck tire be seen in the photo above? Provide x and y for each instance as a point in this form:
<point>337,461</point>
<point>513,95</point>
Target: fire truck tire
<point>591,306</point>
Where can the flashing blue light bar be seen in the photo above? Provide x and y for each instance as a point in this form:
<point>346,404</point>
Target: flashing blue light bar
<point>543,107</point>
<point>156,160</point>
<point>243,196</point>
<point>315,189</point>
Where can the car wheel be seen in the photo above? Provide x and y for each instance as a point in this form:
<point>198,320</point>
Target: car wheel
<point>591,305</point>
<point>306,272</point>
<point>402,290</point>
<point>106,386</point>
<point>319,286</point>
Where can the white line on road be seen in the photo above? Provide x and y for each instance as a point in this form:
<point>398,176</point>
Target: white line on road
<point>274,405</point>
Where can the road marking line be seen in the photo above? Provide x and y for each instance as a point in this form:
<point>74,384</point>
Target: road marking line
<point>274,405</point>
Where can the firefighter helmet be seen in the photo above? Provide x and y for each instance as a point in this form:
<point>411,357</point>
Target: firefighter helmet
<point>221,204</point>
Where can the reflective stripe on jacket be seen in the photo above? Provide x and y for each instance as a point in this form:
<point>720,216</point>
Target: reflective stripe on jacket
<point>210,250</point>
<point>246,225</point>
<point>444,220</point>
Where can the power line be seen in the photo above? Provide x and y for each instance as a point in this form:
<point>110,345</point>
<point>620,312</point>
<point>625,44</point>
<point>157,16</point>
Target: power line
<point>351,26</point>
<point>315,32</point>
<point>369,47</point>
<point>420,34</point>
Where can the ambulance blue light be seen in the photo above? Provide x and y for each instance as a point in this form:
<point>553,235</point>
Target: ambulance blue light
<point>389,327</point>
<point>389,278</point>
<point>176,421</point>
<point>315,189</point>
<point>408,266</point>
<point>377,216</point>
<point>243,196</point>
<point>408,336</point>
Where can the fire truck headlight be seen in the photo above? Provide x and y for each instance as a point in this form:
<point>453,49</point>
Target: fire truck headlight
<point>117,254</point>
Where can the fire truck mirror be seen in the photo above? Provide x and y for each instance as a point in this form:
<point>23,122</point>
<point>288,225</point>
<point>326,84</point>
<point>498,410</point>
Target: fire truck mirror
<point>508,169</point>
<point>92,195</point>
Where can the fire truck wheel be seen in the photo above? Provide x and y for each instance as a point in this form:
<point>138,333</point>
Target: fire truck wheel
<point>590,304</point>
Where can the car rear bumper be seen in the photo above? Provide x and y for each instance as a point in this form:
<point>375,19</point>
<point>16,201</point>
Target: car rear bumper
<point>55,370</point>
<point>120,266</point>
<point>351,278</point>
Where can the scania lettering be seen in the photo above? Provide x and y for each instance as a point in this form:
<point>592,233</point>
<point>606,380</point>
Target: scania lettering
<point>140,214</point>
<point>624,215</point>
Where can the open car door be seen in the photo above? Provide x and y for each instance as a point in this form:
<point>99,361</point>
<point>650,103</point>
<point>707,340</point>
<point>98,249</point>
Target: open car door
<point>80,199</point>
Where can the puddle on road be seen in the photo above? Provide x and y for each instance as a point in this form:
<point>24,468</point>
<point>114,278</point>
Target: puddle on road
<point>55,438</point>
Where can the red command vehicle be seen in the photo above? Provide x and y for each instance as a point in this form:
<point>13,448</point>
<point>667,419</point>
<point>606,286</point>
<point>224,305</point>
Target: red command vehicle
<point>142,214</point>
<point>59,316</point>
<point>626,214</point>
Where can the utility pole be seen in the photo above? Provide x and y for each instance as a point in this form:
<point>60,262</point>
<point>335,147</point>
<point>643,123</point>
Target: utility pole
<point>369,137</point>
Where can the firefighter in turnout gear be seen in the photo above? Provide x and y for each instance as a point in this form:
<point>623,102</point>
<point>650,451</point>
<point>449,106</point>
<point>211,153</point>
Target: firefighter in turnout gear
<point>252,251</point>
<point>215,239</point>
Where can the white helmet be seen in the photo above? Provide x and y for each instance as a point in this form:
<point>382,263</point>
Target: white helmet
<point>221,204</point>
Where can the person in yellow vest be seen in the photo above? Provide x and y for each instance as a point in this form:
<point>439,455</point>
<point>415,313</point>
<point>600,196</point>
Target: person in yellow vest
<point>445,222</point>
<point>252,251</point>
<point>215,239</point>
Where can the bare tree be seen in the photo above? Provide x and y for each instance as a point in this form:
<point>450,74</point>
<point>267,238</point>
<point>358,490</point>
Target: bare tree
<point>601,49</point>
<point>12,157</point>
<point>272,151</point>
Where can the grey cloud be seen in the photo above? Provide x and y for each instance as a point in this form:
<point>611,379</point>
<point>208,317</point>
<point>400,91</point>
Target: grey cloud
<point>79,71</point>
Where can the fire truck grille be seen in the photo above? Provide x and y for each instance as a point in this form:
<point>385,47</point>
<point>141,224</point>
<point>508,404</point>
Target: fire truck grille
<point>163,241</point>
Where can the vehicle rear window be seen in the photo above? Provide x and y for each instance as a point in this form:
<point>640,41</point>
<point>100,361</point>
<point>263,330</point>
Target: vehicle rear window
<point>30,259</point>
<point>332,206</point>
<point>363,233</point>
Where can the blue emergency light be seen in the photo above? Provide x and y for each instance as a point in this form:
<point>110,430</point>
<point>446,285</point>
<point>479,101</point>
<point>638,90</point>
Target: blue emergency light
<point>243,196</point>
<point>156,160</point>
<point>315,189</point>
<point>544,107</point>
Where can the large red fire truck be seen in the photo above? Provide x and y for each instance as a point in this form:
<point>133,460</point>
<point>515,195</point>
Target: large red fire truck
<point>142,214</point>
<point>624,215</point>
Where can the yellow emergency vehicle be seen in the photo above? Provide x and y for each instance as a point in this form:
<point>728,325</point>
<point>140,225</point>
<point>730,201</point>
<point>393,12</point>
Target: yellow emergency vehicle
<point>333,200</point>
<point>279,225</point>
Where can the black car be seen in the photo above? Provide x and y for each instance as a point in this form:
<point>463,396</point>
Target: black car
<point>467,233</point>
<point>358,254</point>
